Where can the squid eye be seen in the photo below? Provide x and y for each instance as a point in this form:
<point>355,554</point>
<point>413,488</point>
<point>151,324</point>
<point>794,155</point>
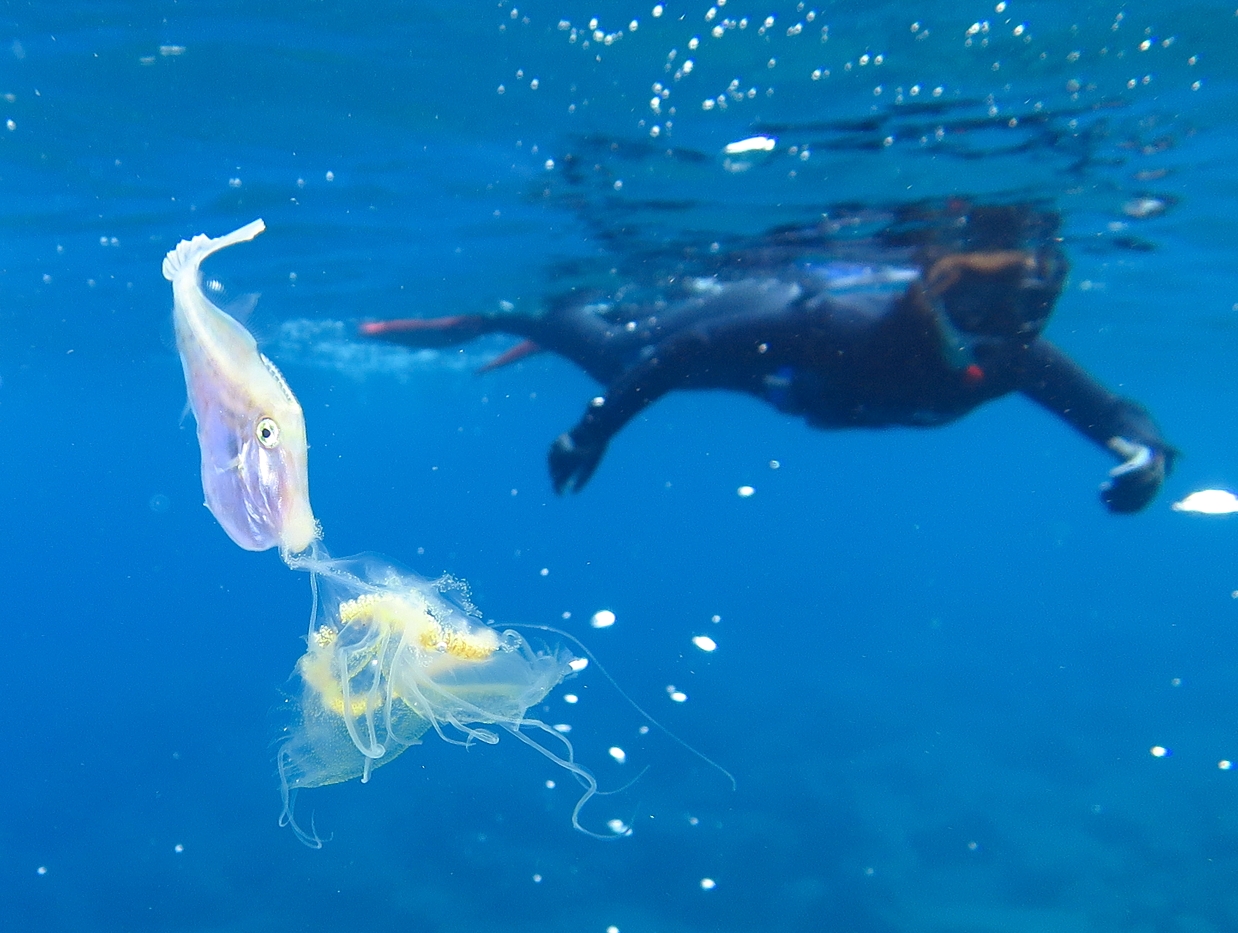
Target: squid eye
<point>267,432</point>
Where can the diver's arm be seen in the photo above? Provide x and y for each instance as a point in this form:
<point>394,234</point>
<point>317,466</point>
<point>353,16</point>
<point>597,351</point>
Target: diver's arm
<point>1120,425</point>
<point>575,455</point>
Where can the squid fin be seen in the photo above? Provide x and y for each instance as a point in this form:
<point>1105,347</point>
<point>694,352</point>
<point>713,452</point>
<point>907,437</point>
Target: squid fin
<point>189,254</point>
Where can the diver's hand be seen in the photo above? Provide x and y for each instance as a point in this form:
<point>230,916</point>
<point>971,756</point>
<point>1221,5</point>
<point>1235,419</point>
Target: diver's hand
<point>573,460</point>
<point>1133,482</point>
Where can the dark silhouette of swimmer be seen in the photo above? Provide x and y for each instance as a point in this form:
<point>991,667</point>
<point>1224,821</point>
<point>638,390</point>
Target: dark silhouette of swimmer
<point>842,344</point>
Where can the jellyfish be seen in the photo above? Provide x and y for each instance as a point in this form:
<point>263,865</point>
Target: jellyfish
<point>390,657</point>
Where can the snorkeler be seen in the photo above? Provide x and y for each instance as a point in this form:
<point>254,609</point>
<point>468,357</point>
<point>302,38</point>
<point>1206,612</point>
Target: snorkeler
<point>933,324</point>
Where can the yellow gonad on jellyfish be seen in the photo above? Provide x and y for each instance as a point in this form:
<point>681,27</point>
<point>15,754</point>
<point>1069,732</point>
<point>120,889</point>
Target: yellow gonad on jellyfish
<point>250,427</point>
<point>388,659</point>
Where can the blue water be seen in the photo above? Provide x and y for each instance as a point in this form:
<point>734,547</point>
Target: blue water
<point>941,665</point>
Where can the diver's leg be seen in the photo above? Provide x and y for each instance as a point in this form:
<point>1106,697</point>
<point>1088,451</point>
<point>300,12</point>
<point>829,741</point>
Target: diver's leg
<point>1120,425</point>
<point>576,333</point>
<point>432,332</point>
<point>454,330</point>
<point>572,327</point>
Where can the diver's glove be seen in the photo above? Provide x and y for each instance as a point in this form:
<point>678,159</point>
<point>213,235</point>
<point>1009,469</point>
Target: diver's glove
<point>1133,482</point>
<point>572,460</point>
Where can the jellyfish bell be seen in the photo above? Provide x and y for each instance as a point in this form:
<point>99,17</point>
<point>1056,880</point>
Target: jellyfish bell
<point>390,657</point>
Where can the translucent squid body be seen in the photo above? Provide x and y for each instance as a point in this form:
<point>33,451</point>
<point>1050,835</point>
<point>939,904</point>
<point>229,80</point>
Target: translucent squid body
<point>390,657</point>
<point>251,430</point>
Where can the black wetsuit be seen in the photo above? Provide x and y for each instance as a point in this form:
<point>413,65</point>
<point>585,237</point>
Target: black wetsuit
<point>839,344</point>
